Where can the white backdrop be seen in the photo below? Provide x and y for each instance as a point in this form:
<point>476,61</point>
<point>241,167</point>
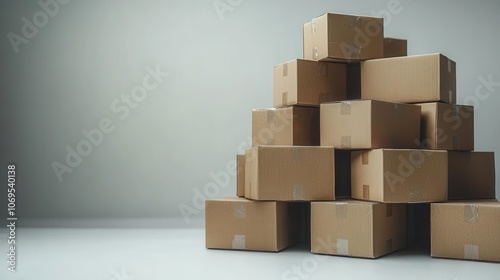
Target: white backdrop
<point>171,84</point>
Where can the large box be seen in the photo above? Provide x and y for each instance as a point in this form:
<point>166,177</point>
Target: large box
<point>290,173</point>
<point>395,47</point>
<point>357,228</point>
<point>400,176</point>
<point>286,126</point>
<point>338,37</point>
<point>369,124</point>
<point>471,175</point>
<point>241,224</point>
<point>410,79</point>
<point>308,83</point>
<point>467,230</point>
<point>447,127</point>
<point>240,175</point>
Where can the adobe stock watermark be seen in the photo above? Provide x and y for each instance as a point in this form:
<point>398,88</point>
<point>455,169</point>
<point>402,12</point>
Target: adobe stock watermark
<point>31,26</point>
<point>225,6</point>
<point>310,264</point>
<point>121,108</point>
<point>220,180</point>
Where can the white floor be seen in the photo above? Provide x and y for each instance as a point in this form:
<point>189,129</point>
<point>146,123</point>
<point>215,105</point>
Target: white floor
<point>147,254</point>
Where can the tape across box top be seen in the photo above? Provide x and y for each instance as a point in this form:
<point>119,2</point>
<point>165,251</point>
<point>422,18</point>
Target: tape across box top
<point>410,79</point>
<point>308,83</point>
<point>357,228</point>
<point>468,230</point>
<point>369,124</point>
<point>340,37</point>
<point>399,176</point>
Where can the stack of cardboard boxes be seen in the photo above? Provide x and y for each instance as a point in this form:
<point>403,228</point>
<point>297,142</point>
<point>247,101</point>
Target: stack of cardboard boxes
<point>359,132</point>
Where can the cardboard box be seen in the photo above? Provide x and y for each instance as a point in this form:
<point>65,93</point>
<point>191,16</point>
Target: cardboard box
<point>395,47</point>
<point>308,83</point>
<point>357,228</point>
<point>241,224</point>
<point>400,176</point>
<point>409,79</point>
<point>290,173</point>
<point>286,126</point>
<point>369,124</point>
<point>471,175</point>
<point>468,230</point>
<point>240,175</point>
<point>338,37</point>
<point>447,127</point>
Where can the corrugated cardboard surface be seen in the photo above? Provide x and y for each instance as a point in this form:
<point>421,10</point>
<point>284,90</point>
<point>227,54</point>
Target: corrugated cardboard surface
<point>240,175</point>
<point>339,37</point>
<point>368,124</point>
<point>466,230</point>
<point>290,173</point>
<point>241,224</point>
<point>410,79</point>
<point>471,175</point>
<point>357,228</point>
<point>400,176</point>
<point>286,126</point>
<point>308,83</point>
<point>447,127</point>
<point>395,47</point>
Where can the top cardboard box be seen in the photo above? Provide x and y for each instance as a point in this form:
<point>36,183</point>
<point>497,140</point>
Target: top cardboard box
<point>338,37</point>
<point>410,79</point>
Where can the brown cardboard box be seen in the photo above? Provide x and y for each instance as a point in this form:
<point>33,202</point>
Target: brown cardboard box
<point>471,175</point>
<point>240,175</point>
<point>467,230</point>
<point>369,124</point>
<point>241,224</point>
<point>447,127</point>
<point>400,176</point>
<point>357,228</point>
<point>338,37</point>
<point>395,47</point>
<point>290,173</point>
<point>308,83</point>
<point>409,79</point>
<point>286,126</point>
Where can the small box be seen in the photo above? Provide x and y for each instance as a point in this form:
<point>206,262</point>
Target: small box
<point>400,176</point>
<point>395,47</point>
<point>357,228</point>
<point>240,175</point>
<point>409,79</point>
<point>471,175</point>
<point>447,127</point>
<point>294,125</point>
<point>466,230</point>
<point>241,224</point>
<point>339,37</point>
<point>290,173</point>
<point>369,124</point>
<point>308,83</point>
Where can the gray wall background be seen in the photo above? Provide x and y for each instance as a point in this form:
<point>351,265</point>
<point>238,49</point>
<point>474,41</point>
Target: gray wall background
<point>160,157</point>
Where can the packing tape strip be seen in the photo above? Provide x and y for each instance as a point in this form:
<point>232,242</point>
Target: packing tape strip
<point>388,210</point>
<point>415,195</point>
<point>297,154</point>
<point>471,213</point>
<point>284,98</point>
<point>271,114</point>
<point>356,23</point>
<point>298,192</point>
<point>345,142</point>
<point>345,107</point>
<point>343,247</point>
<point>341,210</point>
<point>239,242</point>
<point>240,210</point>
<point>450,96</point>
<point>315,52</point>
<point>366,192</point>
<point>285,69</point>
<point>313,25</point>
<point>364,158</point>
<point>471,252</point>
